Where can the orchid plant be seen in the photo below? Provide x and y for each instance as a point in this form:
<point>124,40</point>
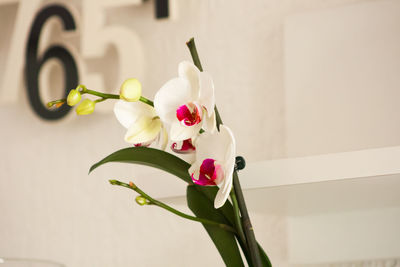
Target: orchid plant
<point>184,114</point>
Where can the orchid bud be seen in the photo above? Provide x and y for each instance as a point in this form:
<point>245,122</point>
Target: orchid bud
<point>86,107</point>
<point>74,97</point>
<point>141,200</point>
<point>131,90</point>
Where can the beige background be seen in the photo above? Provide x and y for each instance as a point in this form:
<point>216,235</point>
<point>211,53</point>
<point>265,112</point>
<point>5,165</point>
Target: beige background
<point>262,55</point>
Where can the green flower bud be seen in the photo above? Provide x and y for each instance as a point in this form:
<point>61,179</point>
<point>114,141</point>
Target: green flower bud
<point>74,97</point>
<point>86,107</point>
<point>131,90</point>
<point>141,200</point>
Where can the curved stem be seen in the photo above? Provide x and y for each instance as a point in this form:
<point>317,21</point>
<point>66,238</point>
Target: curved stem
<point>102,95</point>
<point>169,208</point>
<point>85,90</point>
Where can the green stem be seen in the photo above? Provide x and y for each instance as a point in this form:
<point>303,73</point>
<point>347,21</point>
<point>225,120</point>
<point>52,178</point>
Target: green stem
<point>240,234</point>
<point>169,208</point>
<point>248,229</point>
<point>85,90</point>
<point>193,51</point>
<point>146,101</point>
<point>196,61</point>
<point>102,95</point>
<point>238,223</point>
<point>99,100</point>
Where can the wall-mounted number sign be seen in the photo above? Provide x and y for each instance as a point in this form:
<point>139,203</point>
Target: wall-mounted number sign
<point>94,37</point>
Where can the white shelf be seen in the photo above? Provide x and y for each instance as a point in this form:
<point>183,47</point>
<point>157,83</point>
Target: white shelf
<point>339,207</point>
<point>363,179</point>
<point>320,168</point>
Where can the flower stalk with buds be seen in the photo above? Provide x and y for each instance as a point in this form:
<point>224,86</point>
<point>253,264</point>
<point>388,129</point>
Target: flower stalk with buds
<point>184,107</point>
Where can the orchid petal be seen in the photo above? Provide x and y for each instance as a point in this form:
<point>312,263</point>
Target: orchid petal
<point>189,71</point>
<point>144,130</point>
<point>223,192</point>
<point>194,171</point>
<point>229,166</point>
<point>207,95</point>
<point>164,136</point>
<point>180,132</point>
<point>213,145</point>
<point>170,97</point>
<point>209,122</point>
<point>128,113</point>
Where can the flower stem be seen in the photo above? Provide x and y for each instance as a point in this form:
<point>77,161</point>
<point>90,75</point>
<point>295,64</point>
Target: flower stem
<point>196,61</point>
<point>248,229</point>
<point>238,223</point>
<point>169,208</point>
<point>193,51</point>
<point>84,90</point>
<point>99,94</point>
<point>146,101</point>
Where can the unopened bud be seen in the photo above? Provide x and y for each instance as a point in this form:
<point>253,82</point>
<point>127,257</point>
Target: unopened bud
<point>73,97</point>
<point>56,103</point>
<point>131,90</point>
<point>141,200</point>
<point>86,107</point>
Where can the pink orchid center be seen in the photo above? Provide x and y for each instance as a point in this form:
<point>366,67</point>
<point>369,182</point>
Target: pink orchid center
<point>183,147</point>
<point>210,173</point>
<point>189,114</point>
<point>142,144</point>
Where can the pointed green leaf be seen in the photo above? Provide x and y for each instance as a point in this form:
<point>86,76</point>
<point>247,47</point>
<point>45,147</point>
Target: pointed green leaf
<point>151,157</point>
<point>264,258</point>
<point>169,163</point>
<point>210,192</point>
<point>225,241</point>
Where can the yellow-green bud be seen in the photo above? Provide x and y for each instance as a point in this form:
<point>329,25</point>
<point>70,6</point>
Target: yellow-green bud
<point>141,200</point>
<point>73,97</point>
<point>131,90</point>
<point>86,107</point>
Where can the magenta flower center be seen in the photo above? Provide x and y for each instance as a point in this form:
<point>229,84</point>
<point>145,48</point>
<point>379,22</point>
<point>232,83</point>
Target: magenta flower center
<point>210,173</point>
<point>189,114</point>
<point>183,147</point>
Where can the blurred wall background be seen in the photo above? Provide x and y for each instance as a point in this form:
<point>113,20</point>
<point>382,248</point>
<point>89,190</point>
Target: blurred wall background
<point>256,52</point>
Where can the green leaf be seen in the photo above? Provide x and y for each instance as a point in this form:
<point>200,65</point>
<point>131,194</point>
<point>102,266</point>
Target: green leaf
<point>151,157</point>
<point>264,258</point>
<point>225,241</point>
<point>167,162</point>
<point>210,192</point>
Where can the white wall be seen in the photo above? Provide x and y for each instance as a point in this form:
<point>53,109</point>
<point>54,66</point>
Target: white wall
<point>50,208</point>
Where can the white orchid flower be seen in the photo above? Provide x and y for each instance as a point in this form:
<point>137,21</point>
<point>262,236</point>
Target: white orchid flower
<point>215,162</point>
<point>142,122</point>
<point>186,103</point>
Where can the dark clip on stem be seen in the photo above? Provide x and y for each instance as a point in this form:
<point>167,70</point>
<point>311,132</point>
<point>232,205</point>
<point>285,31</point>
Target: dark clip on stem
<point>240,163</point>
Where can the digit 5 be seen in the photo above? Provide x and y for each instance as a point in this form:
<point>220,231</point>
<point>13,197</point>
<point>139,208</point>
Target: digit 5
<point>95,39</point>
